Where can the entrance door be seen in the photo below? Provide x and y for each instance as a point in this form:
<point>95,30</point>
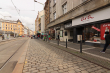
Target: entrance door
<point>80,31</point>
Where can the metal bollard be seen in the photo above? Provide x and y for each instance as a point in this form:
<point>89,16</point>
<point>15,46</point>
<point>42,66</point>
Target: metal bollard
<point>80,45</point>
<point>66,43</point>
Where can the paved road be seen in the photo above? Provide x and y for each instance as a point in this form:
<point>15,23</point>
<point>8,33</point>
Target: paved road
<point>10,50</point>
<point>43,58</point>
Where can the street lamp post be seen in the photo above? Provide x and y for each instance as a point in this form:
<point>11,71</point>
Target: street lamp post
<point>38,2</point>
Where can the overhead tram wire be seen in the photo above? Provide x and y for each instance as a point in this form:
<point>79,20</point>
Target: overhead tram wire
<point>16,9</point>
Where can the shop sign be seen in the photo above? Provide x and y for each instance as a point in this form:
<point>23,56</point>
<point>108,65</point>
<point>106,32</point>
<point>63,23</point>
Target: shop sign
<point>68,25</point>
<point>87,18</point>
<point>95,28</point>
<point>58,27</point>
<point>104,28</point>
<point>92,17</point>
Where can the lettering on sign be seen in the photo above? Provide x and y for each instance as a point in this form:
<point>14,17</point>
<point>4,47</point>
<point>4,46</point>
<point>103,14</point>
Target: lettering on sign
<point>105,25</point>
<point>86,18</point>
<point>68,25</point>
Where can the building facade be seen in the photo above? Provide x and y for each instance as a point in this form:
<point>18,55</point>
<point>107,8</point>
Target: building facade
<point>12,26</point>
<point>79,19</point>
<point>47,12</point>
<point>40,22</point>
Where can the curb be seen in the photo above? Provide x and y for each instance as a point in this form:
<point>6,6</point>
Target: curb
<point>19,66</point>
<point>85,52</point>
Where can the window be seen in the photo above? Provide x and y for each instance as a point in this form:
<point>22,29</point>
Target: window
<point>11,28</point>
<point>65,33</point>
<point>6,27</point>
<point>54,14</point>
<point>50,10</point>
<point>54,1</point>
<point>61,33</point>
<point>71,33</point>
<point>64,8</point>
<point>84,0</point>
<point>0,28</point>
<point>6,24</point>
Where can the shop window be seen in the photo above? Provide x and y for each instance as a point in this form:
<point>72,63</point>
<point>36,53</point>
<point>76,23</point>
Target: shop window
<point>71,33</point>
<point>65,33</point>
<point>61,33</point>
<point>91,33</point>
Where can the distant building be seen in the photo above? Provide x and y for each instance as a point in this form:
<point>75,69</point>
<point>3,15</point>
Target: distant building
<point>39,22</point>
<point>12,26</point>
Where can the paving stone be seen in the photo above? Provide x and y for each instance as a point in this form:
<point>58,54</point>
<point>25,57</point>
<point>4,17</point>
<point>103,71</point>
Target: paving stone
<point>84,72</point>
<point>35,71</point>
<point>56,69</point>
<point>60,68</point>
<point>65,67</point>
<point>71,71</point>
<point>60,71</point>
<point>42,69</point>
<point>42,72</point>
<point>43,58</point>
<point>54,72</point>
<point>108,71</point>
<point>50,70</point>
<point>65,70</point>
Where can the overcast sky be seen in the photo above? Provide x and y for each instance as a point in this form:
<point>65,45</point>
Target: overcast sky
<point>28,11</point>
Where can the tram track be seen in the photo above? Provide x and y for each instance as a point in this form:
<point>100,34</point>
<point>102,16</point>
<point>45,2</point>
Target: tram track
<point>6,47</point>
<point>13,41</point>
<point>3,65</point>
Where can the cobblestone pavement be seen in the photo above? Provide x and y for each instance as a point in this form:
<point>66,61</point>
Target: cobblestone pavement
<point>43,58</point>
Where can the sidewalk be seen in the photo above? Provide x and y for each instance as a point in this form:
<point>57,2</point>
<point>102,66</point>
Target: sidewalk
<point>86,49</point>
<point>43,58</point>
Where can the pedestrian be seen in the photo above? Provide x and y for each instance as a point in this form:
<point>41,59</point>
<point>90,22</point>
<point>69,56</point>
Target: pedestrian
<point>38,36</point>
<point>106,30</point>
<point>2,37</point>
<point>58,36</point>
<point>107,41</point>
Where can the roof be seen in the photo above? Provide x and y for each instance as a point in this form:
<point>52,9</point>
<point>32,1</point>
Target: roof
<point>8,21</point>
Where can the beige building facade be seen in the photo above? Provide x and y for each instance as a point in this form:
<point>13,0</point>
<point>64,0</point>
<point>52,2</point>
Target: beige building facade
<point>72,18</point>
<point>12,26</point>
<point>38,21</point>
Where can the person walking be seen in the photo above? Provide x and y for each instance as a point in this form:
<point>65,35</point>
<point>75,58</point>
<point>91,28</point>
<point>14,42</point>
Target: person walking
<point>107,41</point>
<point>2,37</point>
<point>58,36</point>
